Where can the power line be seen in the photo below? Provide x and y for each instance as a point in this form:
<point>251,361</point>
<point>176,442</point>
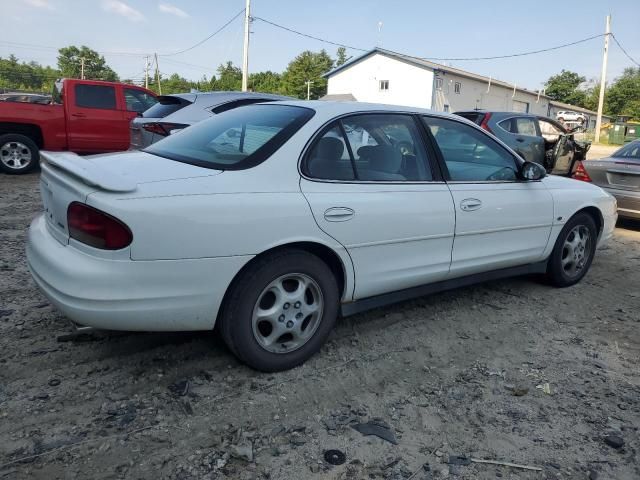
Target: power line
<point>623,50</point>
<point>209,37</point>
<point>521,54</point>
<point>309,36</point>
<point>31,46</point>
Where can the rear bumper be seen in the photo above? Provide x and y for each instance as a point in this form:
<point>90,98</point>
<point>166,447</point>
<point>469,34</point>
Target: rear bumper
<point>161,295</point>
<point>628,202</point>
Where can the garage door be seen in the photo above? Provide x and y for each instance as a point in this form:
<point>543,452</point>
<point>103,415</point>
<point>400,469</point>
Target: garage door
<point>519,106</point>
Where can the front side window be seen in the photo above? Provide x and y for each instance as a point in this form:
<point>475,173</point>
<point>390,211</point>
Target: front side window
<point>375,147</point>
<point>96,96</point>
<point>469,154</point>
<point>236,139</point>
<point>137,100</point>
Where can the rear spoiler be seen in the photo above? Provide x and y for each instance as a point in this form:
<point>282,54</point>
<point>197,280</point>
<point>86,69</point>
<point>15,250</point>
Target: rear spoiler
<point>88,171</point>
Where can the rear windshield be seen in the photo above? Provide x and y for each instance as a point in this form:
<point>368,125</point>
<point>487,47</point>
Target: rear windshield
<point>236,139</point>
<point>630,151</point>
<point>475,117</point>
<point>166,106</point>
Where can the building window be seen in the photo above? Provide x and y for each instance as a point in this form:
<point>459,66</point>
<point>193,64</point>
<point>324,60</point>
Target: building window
<point>446,108</point>
<point>457,87</point>
<point>438,83</point>
<point>384,85</point>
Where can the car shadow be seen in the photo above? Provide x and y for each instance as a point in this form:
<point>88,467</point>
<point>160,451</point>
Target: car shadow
<point>629,224</point>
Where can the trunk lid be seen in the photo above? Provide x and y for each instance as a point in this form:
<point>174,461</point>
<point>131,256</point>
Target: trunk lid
<point>615,173</point>
<point>67,177</point>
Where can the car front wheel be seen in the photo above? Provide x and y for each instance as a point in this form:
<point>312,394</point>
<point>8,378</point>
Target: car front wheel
<point>573,252</point>
<point>280,311</point>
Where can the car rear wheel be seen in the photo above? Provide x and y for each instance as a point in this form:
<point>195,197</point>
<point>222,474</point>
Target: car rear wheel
<point>280,311</point>
<point>18,154</point>
<point>573,252</point>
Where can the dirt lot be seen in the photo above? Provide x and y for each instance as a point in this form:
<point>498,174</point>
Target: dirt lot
<point>460,373</point>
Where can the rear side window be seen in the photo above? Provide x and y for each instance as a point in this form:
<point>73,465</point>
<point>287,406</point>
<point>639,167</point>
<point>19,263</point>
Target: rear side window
<point>96,96</point>
<point>519,125</point>
<point>375,147</point>
<point>138,100</point>
<point>166,106</point>
<point>234,140</point>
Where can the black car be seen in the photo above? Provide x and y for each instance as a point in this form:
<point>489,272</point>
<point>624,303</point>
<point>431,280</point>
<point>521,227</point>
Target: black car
<point>535,138</point>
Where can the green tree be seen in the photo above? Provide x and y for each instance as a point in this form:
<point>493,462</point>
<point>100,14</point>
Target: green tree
<point>341,56</point>
<point>623,96</point>
<point>308,66</point>
<point>95,66</point>
<point>229,78</point>
<point>16,75</point>
<point>265,82</point>
<point>564,87</point>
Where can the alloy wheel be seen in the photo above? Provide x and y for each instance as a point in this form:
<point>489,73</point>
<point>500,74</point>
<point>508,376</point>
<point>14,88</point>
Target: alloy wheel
<point>15,155</point>
<point>287,313</point>
<point>576,250</point>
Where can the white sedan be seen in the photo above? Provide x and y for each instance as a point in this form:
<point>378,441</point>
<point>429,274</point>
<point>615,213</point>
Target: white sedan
<point>271,220</point>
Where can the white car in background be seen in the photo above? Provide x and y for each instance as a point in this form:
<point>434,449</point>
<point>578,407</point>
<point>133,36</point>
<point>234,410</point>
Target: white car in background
<point>568,116</point>
<point>271,220</point>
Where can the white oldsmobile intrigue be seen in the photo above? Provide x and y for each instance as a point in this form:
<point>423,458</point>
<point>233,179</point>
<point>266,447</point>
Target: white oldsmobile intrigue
<point>270,220</point>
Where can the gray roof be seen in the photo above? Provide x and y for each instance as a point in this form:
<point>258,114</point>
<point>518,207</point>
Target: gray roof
<point>421,62</point>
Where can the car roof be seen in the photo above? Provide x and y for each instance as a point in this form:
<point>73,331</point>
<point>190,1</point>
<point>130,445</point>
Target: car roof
<point>336,108</point>
<point>214,98</point>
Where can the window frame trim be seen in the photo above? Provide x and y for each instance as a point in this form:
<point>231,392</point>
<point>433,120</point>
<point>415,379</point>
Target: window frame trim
<point>432,163</point>
<point>443,165</point>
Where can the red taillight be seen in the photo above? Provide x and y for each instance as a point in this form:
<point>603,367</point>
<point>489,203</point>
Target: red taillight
<point>485,122</point>
<point>581,173</point>
<point>97,229</point>
<point>162,128</point>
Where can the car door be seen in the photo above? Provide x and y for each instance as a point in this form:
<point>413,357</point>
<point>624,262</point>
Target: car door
<point>558,146</point>
<point>370,183</point>
<point>524,138</point>
<point>95,121</point>
<point>501,221</point>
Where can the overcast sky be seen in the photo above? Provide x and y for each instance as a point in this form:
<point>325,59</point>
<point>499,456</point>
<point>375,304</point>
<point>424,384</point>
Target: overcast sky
<point>34,29</point>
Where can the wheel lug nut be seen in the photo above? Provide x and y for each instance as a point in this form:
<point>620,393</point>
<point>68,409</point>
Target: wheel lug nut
<point>281,318</point>
<point>286,306</point>
<point>289,324</point>
<point>299,315</point>
<point>297,304</point>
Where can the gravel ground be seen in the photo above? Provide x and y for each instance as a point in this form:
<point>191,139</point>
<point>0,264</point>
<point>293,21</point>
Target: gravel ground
<point>512,371</point>
<point>600,151</point>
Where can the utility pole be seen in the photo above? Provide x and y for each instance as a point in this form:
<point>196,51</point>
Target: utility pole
<point>146,71</point>
<point>245,54</point>
<point>158,75</point>
<point>603,78</point>
<point>308,83</point>
<point>82,68</point>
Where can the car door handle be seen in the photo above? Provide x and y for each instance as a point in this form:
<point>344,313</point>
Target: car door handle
<point>470,204</point>
<point>520,139</point>
<point>79,115</point>
<point>338,214</point>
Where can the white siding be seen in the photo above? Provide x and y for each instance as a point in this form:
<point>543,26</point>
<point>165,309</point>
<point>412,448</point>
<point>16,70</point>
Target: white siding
<point>408,85</point>
<point>478,94</point>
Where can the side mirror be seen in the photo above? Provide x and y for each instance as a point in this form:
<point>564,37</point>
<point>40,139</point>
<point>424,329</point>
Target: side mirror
<point>532,171</point>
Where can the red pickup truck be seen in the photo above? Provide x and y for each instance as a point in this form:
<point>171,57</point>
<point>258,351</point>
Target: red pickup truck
<point>85,116</point>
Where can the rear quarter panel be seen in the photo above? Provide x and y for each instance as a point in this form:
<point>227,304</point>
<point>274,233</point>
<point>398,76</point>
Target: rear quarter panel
<point>49,118</point>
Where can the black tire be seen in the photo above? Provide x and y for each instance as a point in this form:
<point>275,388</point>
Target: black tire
<point>561,119</point>
<point>13,142</point>
<point>236,319</point>
<point>557,273</point>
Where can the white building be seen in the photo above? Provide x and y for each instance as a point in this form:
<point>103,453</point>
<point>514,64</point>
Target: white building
<point>382,76</point>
